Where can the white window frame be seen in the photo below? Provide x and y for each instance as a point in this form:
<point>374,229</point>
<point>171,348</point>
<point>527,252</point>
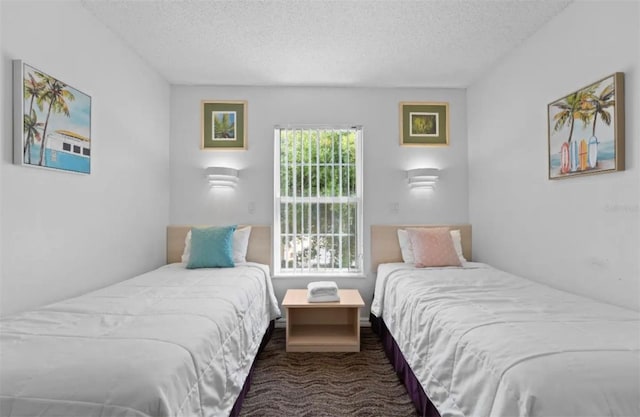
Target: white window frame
<point>358,271</point>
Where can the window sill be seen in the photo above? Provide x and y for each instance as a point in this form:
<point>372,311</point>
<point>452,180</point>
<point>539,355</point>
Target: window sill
<point>319,276</point>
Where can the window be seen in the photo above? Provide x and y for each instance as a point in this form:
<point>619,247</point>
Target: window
<point>318,201</point>
<point>66,146</point>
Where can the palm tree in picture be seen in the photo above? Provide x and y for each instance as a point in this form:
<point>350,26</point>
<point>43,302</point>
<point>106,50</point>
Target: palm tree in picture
<point>55,96</point>
<point>599,105</point>
<point>572,108</point>
<point>32,90</point>
<point>32,128</point>
<point>224,126</point>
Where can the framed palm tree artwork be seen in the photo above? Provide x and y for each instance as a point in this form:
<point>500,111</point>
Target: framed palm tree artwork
<point>223,125</point>
<point>52,122</point>
<point>586,130</point>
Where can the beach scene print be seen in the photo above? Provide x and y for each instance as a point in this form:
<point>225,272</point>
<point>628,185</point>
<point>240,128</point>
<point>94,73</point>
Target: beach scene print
<point>582,131</point>
<point>56,123</point>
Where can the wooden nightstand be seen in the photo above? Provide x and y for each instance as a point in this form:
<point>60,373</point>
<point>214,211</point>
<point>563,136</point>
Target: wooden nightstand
<point>323,327</point>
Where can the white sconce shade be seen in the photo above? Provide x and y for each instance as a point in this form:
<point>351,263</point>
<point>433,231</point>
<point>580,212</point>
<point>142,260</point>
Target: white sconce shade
<point>221,177</point>
<point>422,177</point>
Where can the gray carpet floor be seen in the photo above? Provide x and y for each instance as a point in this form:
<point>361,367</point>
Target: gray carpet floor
<point>326,384</point>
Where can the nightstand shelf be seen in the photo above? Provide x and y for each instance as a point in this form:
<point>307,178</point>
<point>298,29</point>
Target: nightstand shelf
<point>323,327</point>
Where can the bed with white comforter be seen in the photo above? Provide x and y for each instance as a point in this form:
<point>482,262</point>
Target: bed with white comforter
<point>483,342</point>
<point>171,342</point>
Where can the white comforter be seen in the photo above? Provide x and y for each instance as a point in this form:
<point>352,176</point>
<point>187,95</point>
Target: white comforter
<point>486,343</point>
<point>171,342</point>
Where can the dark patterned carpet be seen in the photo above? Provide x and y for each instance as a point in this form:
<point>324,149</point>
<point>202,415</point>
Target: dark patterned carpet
<point>326,384</point>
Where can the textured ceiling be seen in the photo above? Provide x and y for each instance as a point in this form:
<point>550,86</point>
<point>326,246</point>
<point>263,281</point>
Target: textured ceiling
<point>392,43</point>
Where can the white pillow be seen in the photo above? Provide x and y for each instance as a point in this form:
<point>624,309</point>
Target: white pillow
<point>405,246</point>
<point>187,248</point>
<point>407,249</point>
<point>457,243</point>
<point>240,245</point>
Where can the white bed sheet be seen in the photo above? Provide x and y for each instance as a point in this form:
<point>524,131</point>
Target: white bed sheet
<point>171,342</point>
<point>483,342</point>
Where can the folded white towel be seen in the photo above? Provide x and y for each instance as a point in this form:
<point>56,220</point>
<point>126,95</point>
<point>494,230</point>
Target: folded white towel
<point>322,292</point>
<point>322,288</point>
<point>322,298</point>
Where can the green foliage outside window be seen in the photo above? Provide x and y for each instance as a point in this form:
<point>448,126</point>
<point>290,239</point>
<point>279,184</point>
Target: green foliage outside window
<point>311,167</point>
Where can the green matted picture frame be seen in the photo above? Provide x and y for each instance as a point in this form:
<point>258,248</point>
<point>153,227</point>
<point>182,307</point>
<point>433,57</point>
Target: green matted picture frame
<point>424,124</point>
<point>223,125</point>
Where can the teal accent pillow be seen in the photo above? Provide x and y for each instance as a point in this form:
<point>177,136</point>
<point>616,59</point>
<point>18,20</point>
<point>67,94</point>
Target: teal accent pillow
<point>211,247</point>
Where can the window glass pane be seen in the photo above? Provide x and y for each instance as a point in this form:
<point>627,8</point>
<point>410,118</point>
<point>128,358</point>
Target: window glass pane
<point>327,224</point>
<point>318,227</point>
<point>286,252</point>
<point>348,213</point>
<point>284,218</point>
<point>348,254</point>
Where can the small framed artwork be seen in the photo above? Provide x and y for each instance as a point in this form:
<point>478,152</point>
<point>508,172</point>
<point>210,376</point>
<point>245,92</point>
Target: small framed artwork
<point>424,124</point>
<point>52,122</point>
<point>224,125</point>
<point>586,130</point>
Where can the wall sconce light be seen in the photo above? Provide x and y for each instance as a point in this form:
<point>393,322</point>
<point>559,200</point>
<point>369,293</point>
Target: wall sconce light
<point>424,178</point>
<point>222,177</point>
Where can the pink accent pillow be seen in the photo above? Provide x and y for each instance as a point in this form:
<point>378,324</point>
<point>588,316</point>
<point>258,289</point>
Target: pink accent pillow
<point>433,247</point>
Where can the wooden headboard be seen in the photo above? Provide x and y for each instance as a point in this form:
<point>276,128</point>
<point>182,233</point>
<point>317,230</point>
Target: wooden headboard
<point>385,247</point>
<point>259,249</point>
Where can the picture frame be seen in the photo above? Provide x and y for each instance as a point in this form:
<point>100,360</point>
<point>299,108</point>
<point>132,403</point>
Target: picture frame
<point>223,125</point>
<point>52,122</point>
<point>585,130</point>
<point>424,124</point>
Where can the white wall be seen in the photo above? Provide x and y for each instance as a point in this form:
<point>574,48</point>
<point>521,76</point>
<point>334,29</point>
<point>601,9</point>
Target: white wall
<point>580,233</point>
<point>385,162</point>
<point>64,234</point>
<point>5,120</point>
